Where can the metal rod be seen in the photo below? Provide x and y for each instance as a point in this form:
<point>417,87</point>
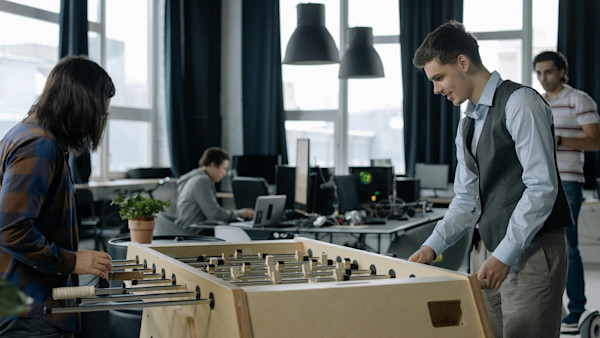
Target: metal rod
<point>114,291</point>
<point>122,306</point>
<point>131,297</point>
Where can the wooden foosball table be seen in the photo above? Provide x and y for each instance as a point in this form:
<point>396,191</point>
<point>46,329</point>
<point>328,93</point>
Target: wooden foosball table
<point>290,288</point>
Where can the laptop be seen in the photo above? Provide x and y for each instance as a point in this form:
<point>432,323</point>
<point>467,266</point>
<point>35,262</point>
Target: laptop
<point>268,211</point>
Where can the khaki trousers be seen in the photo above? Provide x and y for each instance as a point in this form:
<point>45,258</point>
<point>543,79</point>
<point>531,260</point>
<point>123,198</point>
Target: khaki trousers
<point>529,301</point>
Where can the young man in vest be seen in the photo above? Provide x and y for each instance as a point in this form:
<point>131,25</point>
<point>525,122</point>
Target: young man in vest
<point>576,123</point>
<point>507,188</point>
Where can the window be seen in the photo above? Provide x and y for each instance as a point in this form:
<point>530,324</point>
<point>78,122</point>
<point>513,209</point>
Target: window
<point>25,58</point>
<point>358,117</point>
<point>509,39</point>
<point>120,38</point>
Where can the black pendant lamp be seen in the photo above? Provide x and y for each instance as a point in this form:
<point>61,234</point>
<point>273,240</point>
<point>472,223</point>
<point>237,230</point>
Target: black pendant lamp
<point>360,60</point>
<point>311,43</point>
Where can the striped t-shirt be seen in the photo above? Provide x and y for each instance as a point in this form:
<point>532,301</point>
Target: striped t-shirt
<point>571,109</point>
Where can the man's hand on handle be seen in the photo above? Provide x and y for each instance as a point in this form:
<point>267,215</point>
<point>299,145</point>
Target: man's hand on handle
<point>92,262</point>
<point>425,255</point>
<point>494,271</point>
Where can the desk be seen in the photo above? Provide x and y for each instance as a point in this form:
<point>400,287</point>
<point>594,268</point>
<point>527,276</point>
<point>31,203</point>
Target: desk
<point>122,183</point>
<point>108,189</point>
<point>393,228</point>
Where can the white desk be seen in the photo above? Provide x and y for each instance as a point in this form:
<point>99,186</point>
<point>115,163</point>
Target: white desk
<point>392,228</point>
<point>108,189</point>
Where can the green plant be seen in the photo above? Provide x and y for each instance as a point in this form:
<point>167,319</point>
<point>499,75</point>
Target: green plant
<point>12,300</point>
<point>139,207</point>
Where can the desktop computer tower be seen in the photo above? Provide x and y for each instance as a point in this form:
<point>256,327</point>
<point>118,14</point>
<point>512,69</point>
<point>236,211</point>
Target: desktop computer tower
<point>408,189</point>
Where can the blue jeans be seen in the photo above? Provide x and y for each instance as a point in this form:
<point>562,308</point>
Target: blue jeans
<point>575,281</point>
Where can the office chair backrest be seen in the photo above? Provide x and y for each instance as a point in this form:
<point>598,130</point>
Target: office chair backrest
<point>85,198</point>
<point>247,189</point>
<point>346,192</point>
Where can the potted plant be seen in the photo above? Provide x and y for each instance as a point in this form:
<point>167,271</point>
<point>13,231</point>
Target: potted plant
<point>140,213</point>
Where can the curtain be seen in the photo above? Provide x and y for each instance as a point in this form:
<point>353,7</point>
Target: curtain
<point>262,89</point>
<point>578,31</point>
<point>73,40</point>
<point>193,77</point>
<point>430,121</point>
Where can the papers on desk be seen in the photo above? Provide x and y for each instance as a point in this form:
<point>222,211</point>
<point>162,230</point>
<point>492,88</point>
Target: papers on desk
<point>244,224</point>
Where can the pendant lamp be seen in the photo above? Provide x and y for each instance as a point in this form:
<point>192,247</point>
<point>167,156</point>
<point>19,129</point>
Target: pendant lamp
<point>311,43</point>
<point>360,60</point>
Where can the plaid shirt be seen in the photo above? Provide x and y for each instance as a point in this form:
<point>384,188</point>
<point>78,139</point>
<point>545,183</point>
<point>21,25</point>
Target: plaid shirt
<point>38,219</point>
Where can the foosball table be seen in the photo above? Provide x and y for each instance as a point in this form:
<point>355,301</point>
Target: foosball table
<point>286,288</point>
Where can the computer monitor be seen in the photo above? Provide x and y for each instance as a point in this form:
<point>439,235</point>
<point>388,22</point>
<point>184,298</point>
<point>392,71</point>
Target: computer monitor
<point>320,200</point>
<point>256,166</point>
<point>346,193</point>
<point>301,196</point>
<point>373,183</point>
<point>432,176</point>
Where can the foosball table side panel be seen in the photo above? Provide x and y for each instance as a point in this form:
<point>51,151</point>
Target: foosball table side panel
<point>423,308</point>
<point>228,318</point>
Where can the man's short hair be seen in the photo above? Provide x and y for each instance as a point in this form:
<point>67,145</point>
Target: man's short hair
<point>560,61</point>
<point>446,43</point>
<point>213,155</point>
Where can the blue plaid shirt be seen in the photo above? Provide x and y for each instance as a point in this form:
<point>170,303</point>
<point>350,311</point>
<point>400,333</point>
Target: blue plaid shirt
<point>38,219</point>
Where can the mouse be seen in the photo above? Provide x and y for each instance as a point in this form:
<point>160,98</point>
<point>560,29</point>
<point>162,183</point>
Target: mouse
<point>320,221</point>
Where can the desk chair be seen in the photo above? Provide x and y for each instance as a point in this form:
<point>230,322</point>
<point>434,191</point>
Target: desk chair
<point>247,189</point>
<point>90,222</point>
<point>231,233</point>
<point>165,226</point>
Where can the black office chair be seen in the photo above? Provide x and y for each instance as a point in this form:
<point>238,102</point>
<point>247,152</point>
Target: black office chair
<point>247,189</point>
<point>90,221</point>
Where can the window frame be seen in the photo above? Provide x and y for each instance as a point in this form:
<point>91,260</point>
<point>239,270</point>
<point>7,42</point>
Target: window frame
<point>122,112</point>
<point>117,112</point>
<point>525,34</point>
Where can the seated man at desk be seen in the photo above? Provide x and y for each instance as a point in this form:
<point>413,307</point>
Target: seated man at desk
<point>197,195</point>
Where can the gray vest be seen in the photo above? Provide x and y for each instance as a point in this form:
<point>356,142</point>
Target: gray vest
<point>499,172</point>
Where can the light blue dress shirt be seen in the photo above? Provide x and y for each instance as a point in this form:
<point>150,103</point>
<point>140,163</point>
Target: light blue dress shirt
<point>529,122</point>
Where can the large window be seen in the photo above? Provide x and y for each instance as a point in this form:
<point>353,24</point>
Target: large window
<point>26,57</point>
<point>350,121</point>
<point>121,36</point>
<point>509,39</point>
<point>353,121</point>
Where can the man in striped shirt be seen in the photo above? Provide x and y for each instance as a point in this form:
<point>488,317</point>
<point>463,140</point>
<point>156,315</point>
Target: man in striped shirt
<point>576,125</point>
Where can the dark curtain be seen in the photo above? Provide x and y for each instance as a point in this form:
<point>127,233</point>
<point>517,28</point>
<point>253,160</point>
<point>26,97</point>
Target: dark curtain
<point>193,77</point>
<point>430,121</point>
<point>73,40</point>
<point>262,89</point>
<point>578,31</point>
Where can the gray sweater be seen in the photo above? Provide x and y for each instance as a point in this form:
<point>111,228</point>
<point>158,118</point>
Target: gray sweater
<point>197,200</point>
